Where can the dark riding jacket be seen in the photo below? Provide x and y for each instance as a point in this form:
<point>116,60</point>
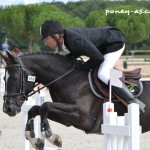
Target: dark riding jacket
<point>93,43</point>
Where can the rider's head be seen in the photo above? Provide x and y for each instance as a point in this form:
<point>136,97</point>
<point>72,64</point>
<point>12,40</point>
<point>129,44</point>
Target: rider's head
<point>51,32</point>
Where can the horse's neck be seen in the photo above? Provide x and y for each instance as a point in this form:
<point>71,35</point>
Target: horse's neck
<point>48,67</point>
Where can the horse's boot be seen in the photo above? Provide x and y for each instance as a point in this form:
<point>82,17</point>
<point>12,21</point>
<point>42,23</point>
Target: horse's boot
<point>124,93</point>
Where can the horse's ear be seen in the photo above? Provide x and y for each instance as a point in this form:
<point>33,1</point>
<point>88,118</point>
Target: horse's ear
<point>11,57</point>
<point>6,59</point>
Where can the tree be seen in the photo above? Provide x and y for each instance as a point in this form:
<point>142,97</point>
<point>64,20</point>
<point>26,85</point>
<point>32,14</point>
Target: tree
<point>23,22</point>
<point>14,21</point>
<point>133,21</point>
<point>53,13</point>
<point>96,18</point>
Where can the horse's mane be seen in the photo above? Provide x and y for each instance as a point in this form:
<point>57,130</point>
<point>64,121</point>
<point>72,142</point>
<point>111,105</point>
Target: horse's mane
<point>41,53</point>
<point>61,57</point>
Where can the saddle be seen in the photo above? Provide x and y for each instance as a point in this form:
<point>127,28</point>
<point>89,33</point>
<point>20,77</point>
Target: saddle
<point>130,78</point>
<point>101,90</point>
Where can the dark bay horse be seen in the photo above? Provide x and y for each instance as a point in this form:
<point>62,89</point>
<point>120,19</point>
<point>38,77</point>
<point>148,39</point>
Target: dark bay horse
<point>73,102</point>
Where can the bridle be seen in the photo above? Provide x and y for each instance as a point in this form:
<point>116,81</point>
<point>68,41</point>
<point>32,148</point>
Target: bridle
<point>21,95</point>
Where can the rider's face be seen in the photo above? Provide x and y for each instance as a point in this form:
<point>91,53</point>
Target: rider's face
<point>50,42</point>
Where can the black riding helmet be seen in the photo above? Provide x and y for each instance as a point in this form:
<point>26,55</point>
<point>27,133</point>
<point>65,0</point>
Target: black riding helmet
<point>51,27</point>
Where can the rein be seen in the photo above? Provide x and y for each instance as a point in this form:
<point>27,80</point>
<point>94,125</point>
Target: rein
<point>55,80</point>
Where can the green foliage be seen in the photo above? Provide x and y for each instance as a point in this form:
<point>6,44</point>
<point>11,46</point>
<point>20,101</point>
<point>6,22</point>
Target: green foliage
<point>23,22</point>
<point>2,34</point>
<point>83,8</point>
<point>12,19</point>
<point>52,12</point>
<point>96,18</point>
<point>131,20</point>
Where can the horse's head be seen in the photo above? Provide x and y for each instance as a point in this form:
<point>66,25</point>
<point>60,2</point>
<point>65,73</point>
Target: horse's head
<point>18,83</point>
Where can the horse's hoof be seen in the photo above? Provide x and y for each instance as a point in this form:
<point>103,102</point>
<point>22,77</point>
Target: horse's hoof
<point>39,144</point>
<point>57,141</point>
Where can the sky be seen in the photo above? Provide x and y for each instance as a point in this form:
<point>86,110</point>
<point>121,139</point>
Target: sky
<point>16,2</point>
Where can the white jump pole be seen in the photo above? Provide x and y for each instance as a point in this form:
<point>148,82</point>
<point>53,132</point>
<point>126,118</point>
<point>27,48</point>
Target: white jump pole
<point>25,108</point>
<point>2,83</point>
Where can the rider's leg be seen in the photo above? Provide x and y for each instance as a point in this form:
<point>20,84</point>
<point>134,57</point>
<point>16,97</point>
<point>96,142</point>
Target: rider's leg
<point>124,93</point>
<point>104,75</point>
<point>109,62</point>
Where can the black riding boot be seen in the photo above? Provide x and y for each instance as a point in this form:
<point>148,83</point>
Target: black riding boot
<point>124,93</point>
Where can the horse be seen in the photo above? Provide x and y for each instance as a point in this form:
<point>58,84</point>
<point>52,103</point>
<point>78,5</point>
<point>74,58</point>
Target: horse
<point>73,102</point>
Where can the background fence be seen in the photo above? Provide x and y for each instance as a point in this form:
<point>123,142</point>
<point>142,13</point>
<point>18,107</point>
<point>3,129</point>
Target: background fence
<point>136,59</point>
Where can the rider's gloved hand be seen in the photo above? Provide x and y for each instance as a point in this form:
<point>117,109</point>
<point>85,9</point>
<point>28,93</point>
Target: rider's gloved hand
<point>84,65</point>
<point>81,65</point>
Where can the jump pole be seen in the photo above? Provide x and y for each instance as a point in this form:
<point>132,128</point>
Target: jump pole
<point>2,83</point>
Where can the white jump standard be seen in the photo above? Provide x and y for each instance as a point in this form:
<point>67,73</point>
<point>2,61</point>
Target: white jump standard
<point>120,132</point>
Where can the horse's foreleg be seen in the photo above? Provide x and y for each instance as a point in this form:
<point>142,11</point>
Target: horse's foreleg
<point>36,143</point>
<point>60,112</point>
<point>47,133</point>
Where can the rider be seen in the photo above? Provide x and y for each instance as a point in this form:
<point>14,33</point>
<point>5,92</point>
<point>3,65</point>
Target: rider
<point>103,46</point>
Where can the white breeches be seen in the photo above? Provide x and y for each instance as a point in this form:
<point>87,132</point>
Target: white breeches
<point>109,62</point>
